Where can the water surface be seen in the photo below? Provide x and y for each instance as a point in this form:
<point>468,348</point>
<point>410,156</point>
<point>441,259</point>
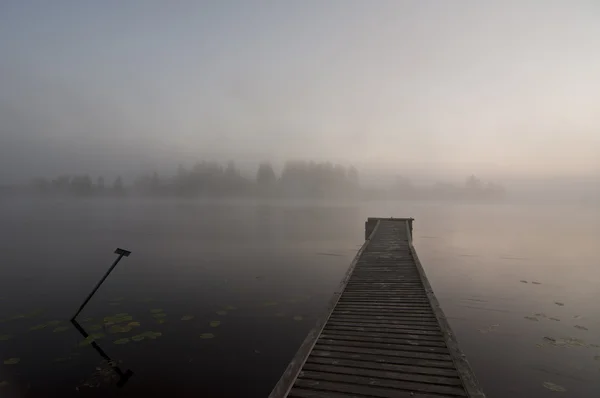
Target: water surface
<point>520,285</point>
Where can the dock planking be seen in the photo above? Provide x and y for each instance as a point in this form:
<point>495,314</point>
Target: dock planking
<point>384,334</point>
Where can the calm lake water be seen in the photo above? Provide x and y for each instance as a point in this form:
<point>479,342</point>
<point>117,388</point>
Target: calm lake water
<point>519,284</point>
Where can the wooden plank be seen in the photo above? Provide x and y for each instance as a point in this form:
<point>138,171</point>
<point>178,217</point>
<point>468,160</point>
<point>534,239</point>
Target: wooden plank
<point>382,374</point>
<point>358,356</point>
<point>369,338</point>
<point>381,351</point>
<point>352,342</point>
<point>356,390</point>
<point>407,368</point>
<point>390,336</point>
<point>433,334</point>
<point>396,385</point>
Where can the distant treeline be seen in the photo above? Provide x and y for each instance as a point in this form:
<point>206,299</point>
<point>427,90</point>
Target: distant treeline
<point>298,179</point>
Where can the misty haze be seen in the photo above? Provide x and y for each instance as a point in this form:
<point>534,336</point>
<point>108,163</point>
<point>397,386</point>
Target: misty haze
<point>237,149</point>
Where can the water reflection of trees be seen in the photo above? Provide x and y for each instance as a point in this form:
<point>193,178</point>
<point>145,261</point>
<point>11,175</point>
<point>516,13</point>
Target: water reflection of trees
<point>296,179</point>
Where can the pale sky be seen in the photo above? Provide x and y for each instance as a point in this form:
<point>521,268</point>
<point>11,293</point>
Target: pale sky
<point>505,86</point>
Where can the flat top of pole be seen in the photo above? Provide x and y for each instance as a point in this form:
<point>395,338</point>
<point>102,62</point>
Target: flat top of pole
<point>123,252</point>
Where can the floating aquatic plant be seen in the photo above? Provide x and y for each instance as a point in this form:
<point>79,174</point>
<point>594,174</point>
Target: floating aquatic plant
<point>118,318</point>
<point>90,339</point>
<point>553,387</point>
<point>38,327</point>
<point>120,329</point>
<point>187,317</point>
<point>156,310</point>
<point>214,324</point>
<point>207,336</point>
<point>12,361</point>
<point>122,341</point>
<point>93,328</point>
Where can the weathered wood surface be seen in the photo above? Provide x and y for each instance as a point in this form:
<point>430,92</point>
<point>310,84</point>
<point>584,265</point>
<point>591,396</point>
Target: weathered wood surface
<point>384,335</point>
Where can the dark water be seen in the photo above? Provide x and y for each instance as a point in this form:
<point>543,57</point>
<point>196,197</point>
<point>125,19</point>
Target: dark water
<point>272,269</point>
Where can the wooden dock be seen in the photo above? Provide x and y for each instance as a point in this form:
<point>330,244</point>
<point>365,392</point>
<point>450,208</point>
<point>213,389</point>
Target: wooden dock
<point>384,334</point>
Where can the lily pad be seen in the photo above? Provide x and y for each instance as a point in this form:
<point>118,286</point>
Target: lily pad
<point>138,337</point>
<point>161,320</point>
<point>269,303</point>
<point>90,339</point>
<point>559,303</point>
<point>38,327</point>
<point>564,342</point>
<point>4,337</point>
<point>207,336</point>
<point>523,281</point>
<point>151,335</point>
<point>122,341</point>
<point>144,300</point>
<point>12,361</point>
<point>221,312</point>
<point>93,328</point>
<point>119,318</point>
<point>120,329</point>
<point>554,319</point>
<point>187,317</point>
<point>61,329</point>
<point>532,318</point>
<point>536,283</point>
<point>156,310</point>
<point>298,317</point>
<point>581,327</point>
<point>214,324</point>
<point>53,323</point>
<point>488,329</point>
<point>134,324</point>
<point>159,315</point>
<point>553,387</point>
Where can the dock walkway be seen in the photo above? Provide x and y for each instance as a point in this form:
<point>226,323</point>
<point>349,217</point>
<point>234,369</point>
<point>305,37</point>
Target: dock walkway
<point>384,334</point>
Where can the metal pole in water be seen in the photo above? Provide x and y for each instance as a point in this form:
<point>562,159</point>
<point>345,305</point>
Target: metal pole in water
<point>122,253</point>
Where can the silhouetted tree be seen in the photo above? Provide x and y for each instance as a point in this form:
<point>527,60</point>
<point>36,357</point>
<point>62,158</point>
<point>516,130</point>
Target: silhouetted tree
<point>118,185</point>
<point>100,183</point>
<point>265,176</point>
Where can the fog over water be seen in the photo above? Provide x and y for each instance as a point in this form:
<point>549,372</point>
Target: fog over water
<point>237,148</point>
